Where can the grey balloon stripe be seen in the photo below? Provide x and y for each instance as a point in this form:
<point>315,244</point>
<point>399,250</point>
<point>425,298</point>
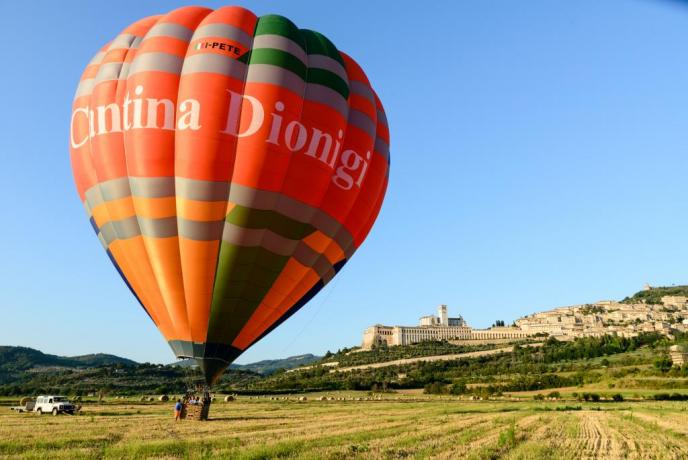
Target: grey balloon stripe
<point>122,41</point>
<point>158,187</point>
<point>85,88</point>
<point>276,244</point>
<point>349,248</point>
<point>320,61</point>
<point>169,29</point>
<point>97,59</point>
<point>281,43</point>
<point>109,71</point>
<point>124,73</point>
<point>382,117</point>
<point>294,209</point>
<point>361,89</point>
<point>87,208</point>
<point>201,190</point>
<point>152,187</point>
<point>200,230</point>
<point>276,75</point>
<point>223,31</point>
<point>165,227</point>
<point>325,95</point>
<point>362,121</point>
<point>103,243</point>
<point>115,189</point>
<point>120,229</point>
<point>156,62</point>
<point>382,148</point>
<point>214,63</point>
<point>136,43</point>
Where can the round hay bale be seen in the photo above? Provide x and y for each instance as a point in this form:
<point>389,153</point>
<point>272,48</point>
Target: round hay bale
<point>229,398</point>
<point>151,399</point>
<point>164,398</point>
<point>303,398</point>
<point>25,400</point>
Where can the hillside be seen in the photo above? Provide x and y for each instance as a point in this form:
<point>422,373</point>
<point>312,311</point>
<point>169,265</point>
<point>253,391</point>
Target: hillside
<point>654,295</point>
<point>629,362</point>
<point>13,359</point>
<point>27,371</point>
<point>270,366</point>
<point>264,367</point>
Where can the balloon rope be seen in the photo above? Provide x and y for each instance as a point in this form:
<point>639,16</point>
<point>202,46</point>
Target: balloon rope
<point>317,310</point>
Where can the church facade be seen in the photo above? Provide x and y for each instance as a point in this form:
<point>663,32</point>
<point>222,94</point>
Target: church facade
<point>436,327</point>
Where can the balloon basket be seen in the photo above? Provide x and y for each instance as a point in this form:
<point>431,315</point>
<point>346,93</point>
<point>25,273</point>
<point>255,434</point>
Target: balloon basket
<point>198,412</point>
<point>196,405</point>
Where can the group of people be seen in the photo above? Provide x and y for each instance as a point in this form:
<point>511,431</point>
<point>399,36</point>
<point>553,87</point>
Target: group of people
<point>189,399</point>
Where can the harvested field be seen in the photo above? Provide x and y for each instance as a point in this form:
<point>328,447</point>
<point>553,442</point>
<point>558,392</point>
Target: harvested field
<point>397,426</point>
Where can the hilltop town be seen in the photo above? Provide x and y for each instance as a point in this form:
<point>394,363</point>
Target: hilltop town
<point>661,309</point>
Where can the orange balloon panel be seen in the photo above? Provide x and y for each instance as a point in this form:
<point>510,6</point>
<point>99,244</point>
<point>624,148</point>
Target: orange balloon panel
<point>230,165</point>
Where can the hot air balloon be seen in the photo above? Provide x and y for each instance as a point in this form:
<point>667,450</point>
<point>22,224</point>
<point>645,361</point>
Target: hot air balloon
<point>230,166</point>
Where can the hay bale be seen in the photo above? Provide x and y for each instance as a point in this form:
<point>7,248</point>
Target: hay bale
<point>24,401</point>
<point>303,398</point>
<point>151,399</point>
<point>164,398</point>
<point>229,398</point>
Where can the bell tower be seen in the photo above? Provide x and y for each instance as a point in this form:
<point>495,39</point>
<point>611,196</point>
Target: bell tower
<point>442,314</point>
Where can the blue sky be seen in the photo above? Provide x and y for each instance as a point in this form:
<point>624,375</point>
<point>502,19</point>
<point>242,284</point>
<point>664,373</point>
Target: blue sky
<point>538,160</point>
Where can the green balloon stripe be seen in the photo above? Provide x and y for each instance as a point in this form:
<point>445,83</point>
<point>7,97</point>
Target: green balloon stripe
<point>329,79</point>
<point>267,219</point>
<point>247,274</point>
<point>273,24</point>
<point>317,43</point>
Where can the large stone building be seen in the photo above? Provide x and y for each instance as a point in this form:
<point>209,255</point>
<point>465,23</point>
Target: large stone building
<point>564,323</point>
<point>439,327</point>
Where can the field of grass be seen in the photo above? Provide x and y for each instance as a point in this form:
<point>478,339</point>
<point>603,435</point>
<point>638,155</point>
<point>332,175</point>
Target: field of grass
<point>397,426</point>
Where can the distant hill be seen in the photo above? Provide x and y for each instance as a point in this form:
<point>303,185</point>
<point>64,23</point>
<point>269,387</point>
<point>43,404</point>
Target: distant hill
<point>654,295</point>
<point>16,362</point>
<point>265,367</point>
<point>269,366</point>
<point>24,358</point>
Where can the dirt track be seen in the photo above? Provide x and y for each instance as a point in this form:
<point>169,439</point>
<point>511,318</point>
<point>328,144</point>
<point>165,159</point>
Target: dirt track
<point>398,362</point>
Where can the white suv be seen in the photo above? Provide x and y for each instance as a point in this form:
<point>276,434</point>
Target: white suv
<point>54,404</point>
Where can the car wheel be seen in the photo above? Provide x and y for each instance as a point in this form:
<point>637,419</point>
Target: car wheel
<point>55,411</point>
<point>39,411</point>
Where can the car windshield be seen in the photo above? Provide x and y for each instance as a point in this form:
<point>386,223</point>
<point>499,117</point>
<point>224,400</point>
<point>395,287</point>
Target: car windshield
<point>60,399</point>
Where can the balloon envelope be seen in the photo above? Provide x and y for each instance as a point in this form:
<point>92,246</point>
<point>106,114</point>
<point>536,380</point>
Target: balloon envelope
<point>230,165</point>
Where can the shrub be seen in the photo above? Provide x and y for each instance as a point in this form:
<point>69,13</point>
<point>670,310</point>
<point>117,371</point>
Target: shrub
<point>663,364</point>
<point>458,388</point>
<point>538,397</point>
<point>670,397</point>
<point>435,388</point>
<point>618,397</point>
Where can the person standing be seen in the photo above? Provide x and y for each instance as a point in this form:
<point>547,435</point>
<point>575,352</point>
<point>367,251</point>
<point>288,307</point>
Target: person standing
<point>178,410</point>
